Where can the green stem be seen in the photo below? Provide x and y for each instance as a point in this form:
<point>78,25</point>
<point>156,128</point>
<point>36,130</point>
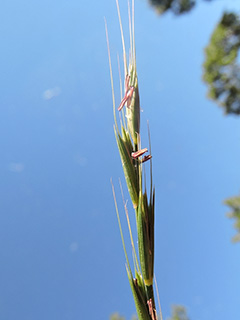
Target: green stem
<point>150,294</point>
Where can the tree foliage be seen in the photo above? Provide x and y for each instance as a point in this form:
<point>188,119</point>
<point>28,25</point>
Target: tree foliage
<point>116,316</point>
<point>179,313</point>
<point>221,70</point>
<point>234,204</point>
<point>176,6</point>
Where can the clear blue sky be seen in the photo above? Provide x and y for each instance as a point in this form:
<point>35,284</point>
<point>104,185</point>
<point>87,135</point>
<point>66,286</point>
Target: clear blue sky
<point>60,248</point>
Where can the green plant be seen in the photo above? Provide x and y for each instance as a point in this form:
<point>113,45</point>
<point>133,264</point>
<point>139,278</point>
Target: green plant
<point>133,159</point>
<point>234,204</point>
<point>178,313</point>
<point>221,67</point>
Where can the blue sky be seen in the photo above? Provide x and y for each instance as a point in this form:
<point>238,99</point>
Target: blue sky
<point>61,253</point>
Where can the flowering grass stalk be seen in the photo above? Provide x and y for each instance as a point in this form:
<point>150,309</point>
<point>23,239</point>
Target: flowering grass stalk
<point>133,158</point>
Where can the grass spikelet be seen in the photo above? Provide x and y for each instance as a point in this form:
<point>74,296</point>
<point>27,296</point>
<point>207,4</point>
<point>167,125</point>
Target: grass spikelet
<point>133,159</point>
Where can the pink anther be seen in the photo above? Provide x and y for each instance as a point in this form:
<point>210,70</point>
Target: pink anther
<point>128,93</point>
<point>146,158</point>
<point>139,153</point>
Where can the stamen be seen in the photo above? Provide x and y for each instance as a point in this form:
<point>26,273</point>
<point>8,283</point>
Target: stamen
<point>124,100</point>
<point>127,79</point>
<point>152,311</point>
<point>130,92</point>
<point>146,158</point>
<point>139,153</point>
<point>128,95</point>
